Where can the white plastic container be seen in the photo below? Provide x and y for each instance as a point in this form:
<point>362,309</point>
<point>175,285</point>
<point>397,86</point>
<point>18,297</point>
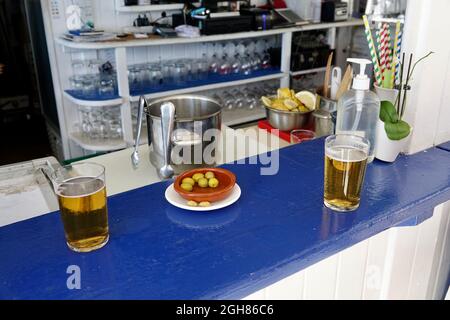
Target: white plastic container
<point>359,108</point>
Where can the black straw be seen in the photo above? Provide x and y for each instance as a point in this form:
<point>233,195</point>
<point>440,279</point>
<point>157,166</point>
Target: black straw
<point>401,85</point>
<point>406,85</point>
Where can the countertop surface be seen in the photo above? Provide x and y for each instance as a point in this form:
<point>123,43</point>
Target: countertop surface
<point>278,227</point>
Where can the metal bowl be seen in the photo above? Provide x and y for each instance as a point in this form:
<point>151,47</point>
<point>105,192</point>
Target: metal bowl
<point>287,120</point>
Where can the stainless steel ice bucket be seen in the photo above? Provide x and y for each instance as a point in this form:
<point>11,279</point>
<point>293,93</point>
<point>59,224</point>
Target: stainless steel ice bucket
<point>187,128</point>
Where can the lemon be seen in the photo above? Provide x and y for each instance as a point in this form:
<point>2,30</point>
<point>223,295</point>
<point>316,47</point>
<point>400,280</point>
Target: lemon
<point>197,176</point>
<point>307,98</point>
<point>283,93</point>
<point>290,104</point>
<point>302,108</point>
<point>341,166</point>
<point>266,101</point>
<point>279,104</point>
<point>209,175</point>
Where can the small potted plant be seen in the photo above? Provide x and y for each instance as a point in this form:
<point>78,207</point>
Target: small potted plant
<point>392,131</point>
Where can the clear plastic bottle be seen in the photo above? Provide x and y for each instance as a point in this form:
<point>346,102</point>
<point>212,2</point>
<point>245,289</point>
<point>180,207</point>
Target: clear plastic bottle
<point>359,108</point>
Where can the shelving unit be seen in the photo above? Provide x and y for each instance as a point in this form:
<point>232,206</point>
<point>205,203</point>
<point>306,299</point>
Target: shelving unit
<point>125,98</point>
<point>302,72</point>
<point>210,86</point>
<point>148,8</point>
<point>92,103</point>
<point>97,145</point>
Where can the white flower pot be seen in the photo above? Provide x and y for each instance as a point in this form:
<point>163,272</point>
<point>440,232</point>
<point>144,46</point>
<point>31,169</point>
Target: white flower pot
<point>386,149</point>
<point>386,94</point>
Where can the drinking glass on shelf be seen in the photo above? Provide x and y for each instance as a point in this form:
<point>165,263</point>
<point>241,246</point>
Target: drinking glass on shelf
<point>76,83</point>
<point>106,87</point>
<point>114,129</point>
<point>202,67</point>
<point>228,100</point>
<point>89,86</point>
<point>236,64</point>
<point>224,67</point>
<point>301,135</point>
<point>246,67</point>
<point>255,62</point>
<point>214,64</point>
<point>134,78</point>
<point>345,168</point>
<point>168,71</point>
<point>94,67</point>
<point>265,61</point>
<point>180,73</point>
<point>156,76</point>
<point>78,68</point>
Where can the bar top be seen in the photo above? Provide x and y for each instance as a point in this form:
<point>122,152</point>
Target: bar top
<point>278,227</point>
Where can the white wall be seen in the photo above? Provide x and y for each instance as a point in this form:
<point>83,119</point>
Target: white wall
<point>427,29</point>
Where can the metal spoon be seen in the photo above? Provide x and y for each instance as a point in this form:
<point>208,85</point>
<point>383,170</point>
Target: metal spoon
<point>167,124</point>
<point>135,154</point>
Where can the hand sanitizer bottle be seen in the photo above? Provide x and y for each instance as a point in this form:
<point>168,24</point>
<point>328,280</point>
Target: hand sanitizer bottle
<point>359,108</point>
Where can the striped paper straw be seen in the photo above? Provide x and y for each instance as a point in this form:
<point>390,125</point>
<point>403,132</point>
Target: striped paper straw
<point>397,50</point>
<point>388,48</point>
<point>373,52</point>
<point>382,49</point>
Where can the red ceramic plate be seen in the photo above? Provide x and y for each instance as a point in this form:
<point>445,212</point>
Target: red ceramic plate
<point>226,178</point>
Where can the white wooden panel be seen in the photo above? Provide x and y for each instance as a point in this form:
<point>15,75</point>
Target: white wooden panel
<point>258,295</point>
<point>441,260</point>
<point>352,271</point>
<point>375,264</point>
<point>425,251</point>
<point>290,288</point>
<point>320,281</point>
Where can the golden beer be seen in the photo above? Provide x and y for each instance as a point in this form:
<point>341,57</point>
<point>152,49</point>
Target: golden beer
<point>345,167</point>
<point>84,213</point>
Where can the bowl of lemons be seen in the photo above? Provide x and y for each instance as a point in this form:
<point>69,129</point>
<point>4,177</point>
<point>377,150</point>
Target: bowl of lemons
<point>289,110</point>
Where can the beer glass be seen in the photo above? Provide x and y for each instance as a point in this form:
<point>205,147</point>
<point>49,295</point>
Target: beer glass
<point>345,167</point>
<point>81,193</point>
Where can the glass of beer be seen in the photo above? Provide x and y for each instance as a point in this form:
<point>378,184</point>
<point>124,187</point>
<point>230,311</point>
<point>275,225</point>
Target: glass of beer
<point>345,167</point>
<point>81,195</point>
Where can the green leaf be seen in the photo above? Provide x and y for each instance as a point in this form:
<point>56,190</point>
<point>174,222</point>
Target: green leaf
<point>397,130</point>
<point>388,112</point>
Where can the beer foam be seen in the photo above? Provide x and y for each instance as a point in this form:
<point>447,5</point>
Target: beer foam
<point>346,154</point>
<point>80,187</point>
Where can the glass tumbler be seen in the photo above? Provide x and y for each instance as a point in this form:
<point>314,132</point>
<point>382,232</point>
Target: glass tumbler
<point>301,135</point>
<point>345,167</point>
<point>81,192</point>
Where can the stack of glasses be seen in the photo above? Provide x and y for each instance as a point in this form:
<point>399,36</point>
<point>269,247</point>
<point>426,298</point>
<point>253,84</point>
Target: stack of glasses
<point>93,78</point>
<point>248,97</point>
<point>227,59</point>
<point>99,123</point>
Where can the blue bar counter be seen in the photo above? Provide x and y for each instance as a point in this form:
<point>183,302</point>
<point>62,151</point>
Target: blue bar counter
<point>277,228</point>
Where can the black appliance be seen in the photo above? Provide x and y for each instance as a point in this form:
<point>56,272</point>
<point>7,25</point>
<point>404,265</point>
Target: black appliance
<point>309,51</point>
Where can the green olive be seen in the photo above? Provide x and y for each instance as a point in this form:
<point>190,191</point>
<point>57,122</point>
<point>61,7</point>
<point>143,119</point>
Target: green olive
<point>213,183</point>
<point>192,203</point>
<point>202,182</point>
<point>209,175</point>
<point>186,186</point>
<point>197,176</point>
<point>188,181</point>
<point>205,204</point>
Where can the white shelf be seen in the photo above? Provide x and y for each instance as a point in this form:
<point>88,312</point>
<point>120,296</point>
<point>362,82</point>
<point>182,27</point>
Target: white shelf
<point>102,145</point>
<point>298,73</point>
<point>150,7</point>
<point>221,37</point>
<point>93,103</point>
<point>210,86</point>
<point>238,116</point>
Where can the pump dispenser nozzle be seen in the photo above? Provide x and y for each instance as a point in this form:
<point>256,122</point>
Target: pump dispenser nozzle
<point>361,80</point>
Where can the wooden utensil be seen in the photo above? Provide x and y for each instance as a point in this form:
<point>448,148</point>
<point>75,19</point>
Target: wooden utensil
<point>345,83</point>
<point>326,82</point>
